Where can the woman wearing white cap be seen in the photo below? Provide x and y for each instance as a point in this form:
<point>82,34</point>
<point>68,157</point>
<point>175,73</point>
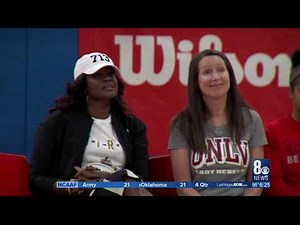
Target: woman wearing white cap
<point>90,134</point>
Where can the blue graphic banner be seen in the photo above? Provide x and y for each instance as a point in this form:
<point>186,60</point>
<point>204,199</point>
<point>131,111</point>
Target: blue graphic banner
<point>161,184</point>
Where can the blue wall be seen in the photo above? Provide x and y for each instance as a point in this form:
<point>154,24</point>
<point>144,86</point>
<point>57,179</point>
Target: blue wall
<point>35,65</point>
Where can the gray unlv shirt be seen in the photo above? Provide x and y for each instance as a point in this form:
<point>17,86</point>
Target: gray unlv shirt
<point>226,161</point>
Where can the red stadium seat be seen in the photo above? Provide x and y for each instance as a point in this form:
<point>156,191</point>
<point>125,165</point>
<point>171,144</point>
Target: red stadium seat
<point>161,170</point>
<point>14,175</point>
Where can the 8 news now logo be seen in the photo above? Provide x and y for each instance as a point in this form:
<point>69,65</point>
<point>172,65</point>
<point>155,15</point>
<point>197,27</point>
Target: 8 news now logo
<point>261,170</point>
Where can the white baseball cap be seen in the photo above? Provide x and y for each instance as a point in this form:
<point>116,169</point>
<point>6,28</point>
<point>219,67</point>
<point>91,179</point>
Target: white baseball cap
<point>92,62</point>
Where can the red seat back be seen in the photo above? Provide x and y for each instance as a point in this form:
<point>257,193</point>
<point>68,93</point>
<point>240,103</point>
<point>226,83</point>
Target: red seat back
<point>14,175</point>
<point>161,170</point>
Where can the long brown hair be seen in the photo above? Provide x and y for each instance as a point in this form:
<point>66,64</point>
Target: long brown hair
<point>191,120</point>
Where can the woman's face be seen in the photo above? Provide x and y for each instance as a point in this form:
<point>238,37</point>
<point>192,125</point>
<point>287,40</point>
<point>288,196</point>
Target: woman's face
<point>213,77</point>
<point>295,95</point>
<point>103,84</point>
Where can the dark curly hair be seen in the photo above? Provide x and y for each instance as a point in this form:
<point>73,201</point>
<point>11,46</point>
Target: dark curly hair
<point>295,58</point>
<point>75,97</point>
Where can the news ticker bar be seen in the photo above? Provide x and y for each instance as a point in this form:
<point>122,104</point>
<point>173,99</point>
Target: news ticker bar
<point>161,184</point>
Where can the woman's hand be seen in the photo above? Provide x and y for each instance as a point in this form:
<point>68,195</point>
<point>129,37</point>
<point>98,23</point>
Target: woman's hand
<point>90,173</point>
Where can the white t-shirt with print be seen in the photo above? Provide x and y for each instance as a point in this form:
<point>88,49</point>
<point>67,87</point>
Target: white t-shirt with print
<point>103,150</point>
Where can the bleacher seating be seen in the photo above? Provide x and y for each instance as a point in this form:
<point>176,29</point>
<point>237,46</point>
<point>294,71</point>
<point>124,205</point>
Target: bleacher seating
<point>161,170</point>
<point>14,175</point>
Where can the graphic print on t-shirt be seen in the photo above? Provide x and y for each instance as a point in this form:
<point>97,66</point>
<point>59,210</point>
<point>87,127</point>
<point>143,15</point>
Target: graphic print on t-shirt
<point>223,157</point>
<point>104,150</point>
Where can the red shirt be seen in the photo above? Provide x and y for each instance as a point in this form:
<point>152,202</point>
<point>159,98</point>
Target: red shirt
<point>283,150</point>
